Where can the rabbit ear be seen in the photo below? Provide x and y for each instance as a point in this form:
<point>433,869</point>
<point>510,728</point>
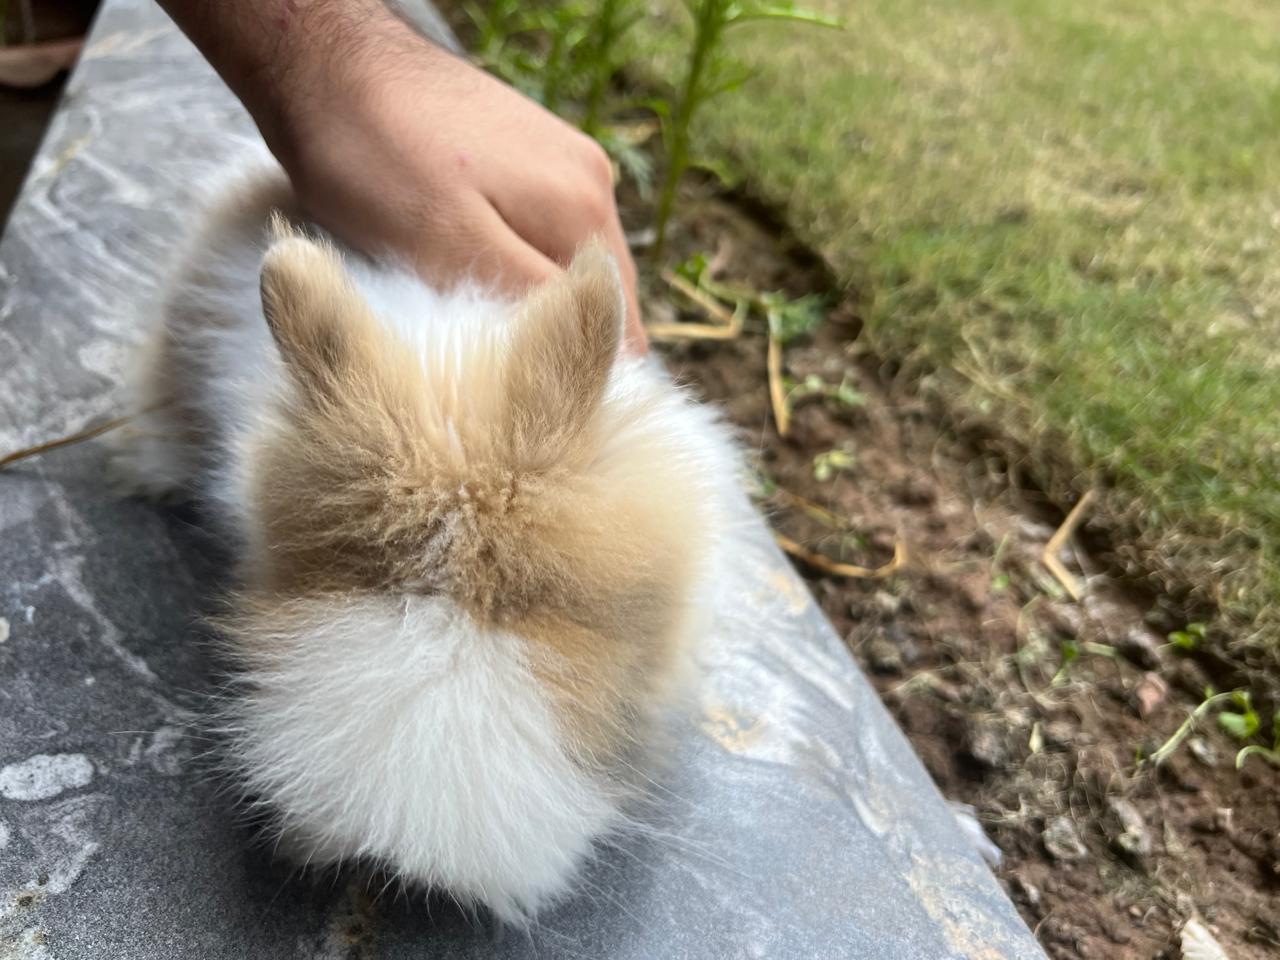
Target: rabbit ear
<point>565,342</point>
<point>323,328</point>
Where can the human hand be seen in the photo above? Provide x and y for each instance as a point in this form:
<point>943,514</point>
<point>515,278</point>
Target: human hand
<point>399,147</point>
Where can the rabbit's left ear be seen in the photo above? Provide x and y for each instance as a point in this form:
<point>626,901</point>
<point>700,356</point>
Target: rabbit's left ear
<point>325,332</point>
<point>565,342</point>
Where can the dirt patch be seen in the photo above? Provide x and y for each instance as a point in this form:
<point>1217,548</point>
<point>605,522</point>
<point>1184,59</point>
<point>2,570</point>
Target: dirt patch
<point>1029,706</point>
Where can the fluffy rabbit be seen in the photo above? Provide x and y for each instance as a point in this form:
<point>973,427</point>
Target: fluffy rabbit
<point>470,537</point>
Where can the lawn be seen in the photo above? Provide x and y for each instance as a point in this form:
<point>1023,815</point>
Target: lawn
<point>1066,214</point>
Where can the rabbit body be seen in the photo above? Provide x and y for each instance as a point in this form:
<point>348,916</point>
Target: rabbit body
<point>470,537</point>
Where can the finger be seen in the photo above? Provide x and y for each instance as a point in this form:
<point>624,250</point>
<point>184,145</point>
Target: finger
<point>616,240</point>
<point>491,254</point>
<point>558,215</point>
<point>554,230</point>
<point>559,238</point>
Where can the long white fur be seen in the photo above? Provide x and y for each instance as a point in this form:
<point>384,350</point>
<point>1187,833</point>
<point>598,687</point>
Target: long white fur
<point>392,728</point>
<point>396,730</point>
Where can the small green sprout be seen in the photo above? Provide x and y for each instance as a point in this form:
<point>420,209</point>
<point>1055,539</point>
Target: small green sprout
<point>1189,638</point>
<point>826,465</point>
<point>1167,749</point>
<point>789,319</point>
<point>693,267</point>
<point>762,486</point>
<point>1241,723</point>
<point>813,385</point>
<point>1070,654</point>
<point>1270,754</point>
<point>786,317</point>
<point>848,396</point>
<point>999,578</point>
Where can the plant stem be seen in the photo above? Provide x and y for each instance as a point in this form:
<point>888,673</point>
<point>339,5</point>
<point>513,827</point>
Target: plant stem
<point>605,32</point>
<point>553,72</point>
<point>708,26</point>
<point>1167,748</point>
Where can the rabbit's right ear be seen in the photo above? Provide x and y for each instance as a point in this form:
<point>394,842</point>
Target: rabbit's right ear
<point>565,343</point>
<point>326,335</point>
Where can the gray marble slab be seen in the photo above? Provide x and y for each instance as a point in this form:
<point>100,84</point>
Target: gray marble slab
<point>797,821</point>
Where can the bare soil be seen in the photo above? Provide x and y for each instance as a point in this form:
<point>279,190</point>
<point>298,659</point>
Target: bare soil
<point>969,643</point>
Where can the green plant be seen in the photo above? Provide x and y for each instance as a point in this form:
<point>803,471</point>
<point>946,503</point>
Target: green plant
<point>1271,754</point>
<point>1241,723</point>
<point>813,385</point>
<point>696,269</point>
<point>708,72</point>
<point>624,147</point>
<point>1188,639</point>
<point>567,30</point>
<point>761,485</point>
<point>1000,579</point>
<point>612,20</point>
<point>547,51</point>
<point>497,23</point>
<point>830,462</point>
<point>1166,749</point>
<point>1070,651</point>
<point>786,318</point>
<point>791,318</point>
<point>564,55</point>
<point>556,52</point>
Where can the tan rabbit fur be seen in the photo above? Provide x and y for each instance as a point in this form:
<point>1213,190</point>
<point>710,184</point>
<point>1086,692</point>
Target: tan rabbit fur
<point>471,536</point>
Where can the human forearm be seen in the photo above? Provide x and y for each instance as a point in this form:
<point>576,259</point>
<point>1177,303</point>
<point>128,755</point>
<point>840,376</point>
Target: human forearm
<point>270,52</point>
<point>400,148</point>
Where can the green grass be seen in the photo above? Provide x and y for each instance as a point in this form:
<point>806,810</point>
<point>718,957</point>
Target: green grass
<point>1070,214</point>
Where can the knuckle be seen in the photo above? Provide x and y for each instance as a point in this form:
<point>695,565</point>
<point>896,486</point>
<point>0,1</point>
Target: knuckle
<point>598,166</point>
<point>597,209</point>
<point>626,265</point>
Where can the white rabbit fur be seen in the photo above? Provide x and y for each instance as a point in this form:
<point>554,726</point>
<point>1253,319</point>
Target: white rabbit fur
<point>471,537</point>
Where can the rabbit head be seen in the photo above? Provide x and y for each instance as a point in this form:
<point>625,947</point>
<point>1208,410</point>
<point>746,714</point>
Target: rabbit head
<point>469,576</point>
